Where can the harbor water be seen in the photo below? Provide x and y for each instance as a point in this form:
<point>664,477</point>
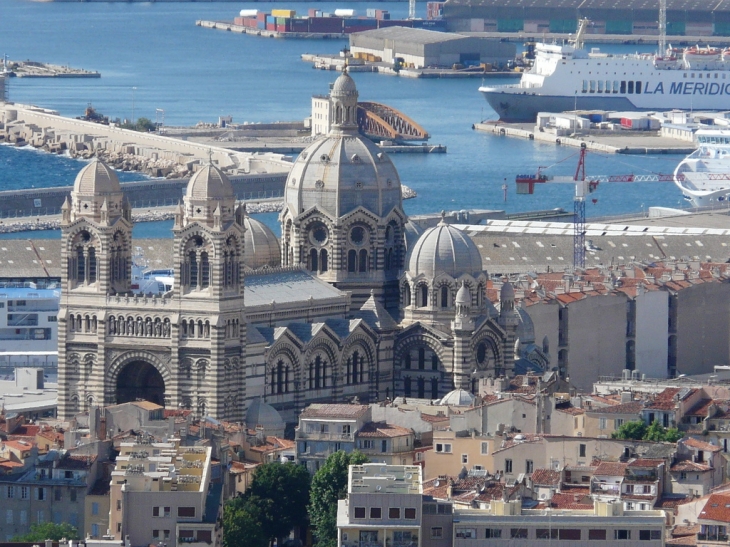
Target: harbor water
<point>152,56</point>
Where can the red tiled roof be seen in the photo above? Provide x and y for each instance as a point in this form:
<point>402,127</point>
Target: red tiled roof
<point>19,445</point>
<point>700,445</point>
<point>334,411</point>
<point>382,429</point>
<point>686,465</point>
<point>634,407</point>
<point>681,531</point>
<point>610,469</point>
<point>670,502</point>
<point>700,409</point>
<point>76,461</point>
<point>716,508</point>
<point>571,501</point>
<point>688,541</point>
<point>546,477</point>
<point>433,418</point>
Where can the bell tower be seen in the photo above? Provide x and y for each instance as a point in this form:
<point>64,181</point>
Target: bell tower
<point>96,230</point>
<point>210,335</point>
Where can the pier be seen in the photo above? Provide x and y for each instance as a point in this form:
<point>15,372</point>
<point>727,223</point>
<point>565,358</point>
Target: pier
<point>228,26</point>
<point>623,142</point>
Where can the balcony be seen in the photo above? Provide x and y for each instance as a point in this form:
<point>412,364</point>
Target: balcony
<point>607,489</point>
<point>324,436</point>
<point>713,537</point>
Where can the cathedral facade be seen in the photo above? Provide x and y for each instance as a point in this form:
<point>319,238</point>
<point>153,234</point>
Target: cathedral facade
<point>362,304</point>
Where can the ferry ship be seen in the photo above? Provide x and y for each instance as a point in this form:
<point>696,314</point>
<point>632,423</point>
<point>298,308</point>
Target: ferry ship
<point>567,77</point>
<point>704,175</point>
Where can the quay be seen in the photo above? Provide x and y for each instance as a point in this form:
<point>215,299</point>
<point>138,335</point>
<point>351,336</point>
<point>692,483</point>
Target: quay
<point>623,142</point>
<point>232,27</point>
<point>35,69</point>
<point>630,39</point>
<point>337,63</point>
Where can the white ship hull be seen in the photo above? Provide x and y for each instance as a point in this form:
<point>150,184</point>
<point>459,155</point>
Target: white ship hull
<point>564,78</point>
<point>704,175</point>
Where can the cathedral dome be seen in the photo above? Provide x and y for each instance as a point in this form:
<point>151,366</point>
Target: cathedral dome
<point>340,173</point>
<point>444,249</point>
<point>412,231</point>
<point>261,245</point>
<point>95,179</point>
<point>344,86</point>
<point>210,183</point>
<point>263,414</point>
<point>458,397</point>
<point>507,292</point>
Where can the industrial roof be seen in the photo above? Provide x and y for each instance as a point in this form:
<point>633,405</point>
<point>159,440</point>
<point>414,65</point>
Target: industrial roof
<point>413,35</point>
<point>285,286</point>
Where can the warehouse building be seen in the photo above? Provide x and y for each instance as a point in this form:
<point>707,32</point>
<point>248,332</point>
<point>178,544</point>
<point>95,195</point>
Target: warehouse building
<point>425,48</point>
<point>684,17</point>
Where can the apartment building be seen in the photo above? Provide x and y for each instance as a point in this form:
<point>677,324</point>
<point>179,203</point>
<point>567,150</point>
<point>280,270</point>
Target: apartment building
<point>161,493</point>
<point>508,521</point>
<point>386,443</point>
<point>383,507</point>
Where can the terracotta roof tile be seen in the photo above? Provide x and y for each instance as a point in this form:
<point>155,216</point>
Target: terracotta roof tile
<point>634,407</point>
<point>700,445</point>
<point>610,469</point>
<point>546,477</point>
<point>382,429</point>
<point>716,508</point>
<point>334,411</point>
<point>686,465</point>
<point>571,501</point>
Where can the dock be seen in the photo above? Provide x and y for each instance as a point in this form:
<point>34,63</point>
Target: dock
<point>35,69</point>
<point>337,63</point>
<point>623,142</point>
<point>228,26</point>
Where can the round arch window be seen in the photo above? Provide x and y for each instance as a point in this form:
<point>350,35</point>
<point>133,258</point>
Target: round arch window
<point>358,235</point>
<point>482,354</point>
<point>318,234</point>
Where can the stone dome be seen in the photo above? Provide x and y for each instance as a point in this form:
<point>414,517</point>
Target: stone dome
<point>507,292</point>
<point>444,249</point>
<point>96,179</point>
<point>341,172</point>
<point>210,183</point>
<point>261,247</point>
<point>263,414</point>
<point>525,328</point>
<point>458,397</point>
<point>344,86</point>
<point>463,295</point>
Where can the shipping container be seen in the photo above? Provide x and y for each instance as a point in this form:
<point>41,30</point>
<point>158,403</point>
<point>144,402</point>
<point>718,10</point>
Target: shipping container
<point>382,23</point>
<point>325,24</point>
<point>281,28</point>
<point>283,12</point>
<point>345,13</point>
<point>261,16</point>
<point>248,12</point>
<point>238,21</point>
<point>382,14</point>
<point>261,25</point>
<point>299,25</point>
<point>371,12</point>
<point>270,26</point>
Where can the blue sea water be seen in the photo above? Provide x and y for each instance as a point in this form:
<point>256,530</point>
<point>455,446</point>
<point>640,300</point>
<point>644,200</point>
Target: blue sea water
<point>152,56</point>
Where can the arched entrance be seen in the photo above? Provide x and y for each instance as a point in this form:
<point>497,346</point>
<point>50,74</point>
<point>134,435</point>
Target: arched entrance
<point>140,380</point>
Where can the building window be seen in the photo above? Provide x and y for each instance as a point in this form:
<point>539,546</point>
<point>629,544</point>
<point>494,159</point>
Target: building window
<point>493,533</point>
<point>94,508</point>
<point>52,318</point>
<point>57,494</point>
<point>23,516</point>
<point>546,533</point>
<point>529,466</point>
<point>40,517</point>
<point>601,423</point>
<point>410,513</point>
<point>437,532</point>
<point>466,533</point>
<point>682,475</point>
<point>581,451</point>
<point>40,494</point>
<point>95,530</point>
<point>24,492</point>
<point>622,534</point>
<point>508,466</point>
<point>376,513</point>
<point>359,512</point>
<point>11,492</point>
<point>445,448</point>
<point>597,535</point>
<point>8,516</point>
<point>647,535</point>
<point>485,448</point>
<point>119,508</point>
<point>368,444</point>
<point>465,458</point>
<point>394,513</point>
<point>156,534</point>
<point>618,422</point>
<point>518,533</point>
<point>186,512</point>
<point>569,534</point>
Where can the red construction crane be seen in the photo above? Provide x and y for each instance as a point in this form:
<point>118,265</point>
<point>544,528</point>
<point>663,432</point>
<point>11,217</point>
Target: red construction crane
<point>584,186</point>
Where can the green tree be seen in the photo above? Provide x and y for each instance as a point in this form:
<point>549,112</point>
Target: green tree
<point>657,432</point>
<point>630,430</point>
<point>286,487</point>
<point>48,530</point>
<point>329,484</point>
<point>242,526</point>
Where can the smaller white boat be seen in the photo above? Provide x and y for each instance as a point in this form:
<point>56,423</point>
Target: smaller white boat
<point>704,175</point>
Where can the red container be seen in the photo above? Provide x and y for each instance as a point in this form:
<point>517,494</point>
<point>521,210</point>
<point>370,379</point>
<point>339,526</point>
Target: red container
<point>270,26</point>
<point>251,22</point>
<point>261,16</point>
<point>312,12</point>
<point>281,28</point>
<point>299,25</point>
<point>325,24</point>
<point>238,21</point>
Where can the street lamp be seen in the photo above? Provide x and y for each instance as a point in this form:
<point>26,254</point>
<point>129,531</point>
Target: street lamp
<point>133,90</point>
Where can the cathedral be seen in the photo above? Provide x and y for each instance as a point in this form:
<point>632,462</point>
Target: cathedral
<point>354,301</point>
